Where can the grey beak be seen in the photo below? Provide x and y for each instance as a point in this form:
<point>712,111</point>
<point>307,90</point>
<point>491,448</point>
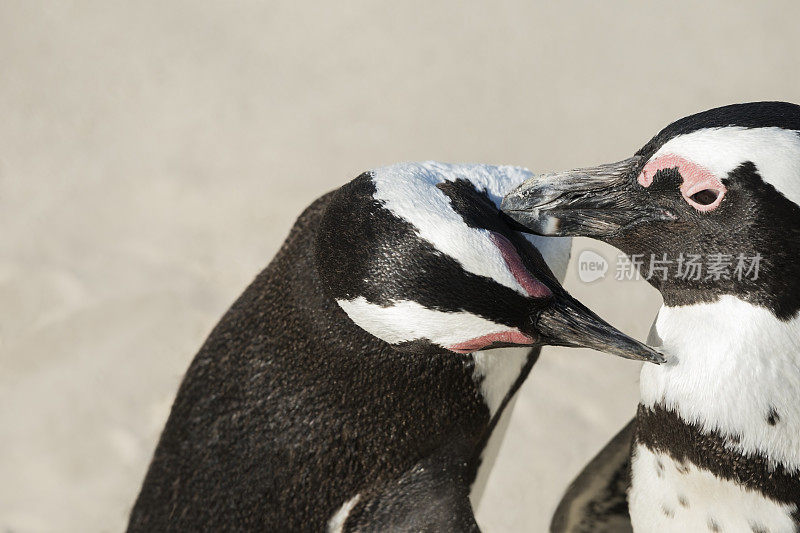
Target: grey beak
<point>570,323</point>
<point>599,202</point>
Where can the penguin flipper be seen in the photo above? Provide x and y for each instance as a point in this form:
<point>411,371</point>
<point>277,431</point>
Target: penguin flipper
<point>430,497</point>
<point>596,501</point>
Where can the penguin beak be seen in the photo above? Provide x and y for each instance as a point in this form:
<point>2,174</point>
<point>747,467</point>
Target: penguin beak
<point>601,202</point>
<point>570,323</point>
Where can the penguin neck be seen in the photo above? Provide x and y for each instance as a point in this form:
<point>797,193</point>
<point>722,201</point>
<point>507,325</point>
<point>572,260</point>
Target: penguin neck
<point>734,369</point>
<point>499,373</point>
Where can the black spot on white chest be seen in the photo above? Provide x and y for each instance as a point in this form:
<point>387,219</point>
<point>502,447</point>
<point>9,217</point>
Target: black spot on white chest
<point>684,479</point>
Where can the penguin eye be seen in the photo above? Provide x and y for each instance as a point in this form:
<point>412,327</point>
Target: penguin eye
<point>705,197</point>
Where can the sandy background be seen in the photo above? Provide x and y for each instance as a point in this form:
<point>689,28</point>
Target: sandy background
<point>153,156</point>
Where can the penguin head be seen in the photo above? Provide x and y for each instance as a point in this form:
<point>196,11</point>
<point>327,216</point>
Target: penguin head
<point>420,256</point>
<point>716,192</point>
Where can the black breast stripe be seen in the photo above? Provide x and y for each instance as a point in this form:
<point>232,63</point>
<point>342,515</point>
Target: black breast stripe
<point>662,430</point>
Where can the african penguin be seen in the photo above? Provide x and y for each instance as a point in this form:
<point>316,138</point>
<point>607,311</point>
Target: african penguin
<point>715,444</point>
<point>350,388</point>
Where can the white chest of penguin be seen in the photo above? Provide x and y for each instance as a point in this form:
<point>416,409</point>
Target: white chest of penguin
<point>668,496</point>
<point>496,372</point>
<point>734,373</point>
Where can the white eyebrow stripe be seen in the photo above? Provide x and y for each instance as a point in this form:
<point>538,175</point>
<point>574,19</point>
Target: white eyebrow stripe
<point>407,320</point>
<point>774,151</point>
<point>409,191</point>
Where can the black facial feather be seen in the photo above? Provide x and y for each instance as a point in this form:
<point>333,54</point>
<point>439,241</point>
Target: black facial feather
<point>380,256</point>
<point>754,224</point>
<point>475,207</point>
<point>479,211</point>
<point>753,220</point>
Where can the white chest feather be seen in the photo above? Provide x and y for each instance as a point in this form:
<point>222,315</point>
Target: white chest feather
<point>734,370</point>
<point>667,496</point>
<point>497,371</point>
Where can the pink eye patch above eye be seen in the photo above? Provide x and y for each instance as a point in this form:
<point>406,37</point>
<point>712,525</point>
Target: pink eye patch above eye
<point>700,188</point>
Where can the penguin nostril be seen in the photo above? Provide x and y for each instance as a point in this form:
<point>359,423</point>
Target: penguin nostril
<point>705,197</point>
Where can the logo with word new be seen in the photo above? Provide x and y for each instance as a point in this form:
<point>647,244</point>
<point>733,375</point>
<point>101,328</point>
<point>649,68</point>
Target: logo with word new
<point>591,266</point>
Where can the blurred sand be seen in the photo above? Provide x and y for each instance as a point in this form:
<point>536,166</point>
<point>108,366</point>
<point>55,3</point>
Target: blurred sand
<point>154,154</point>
